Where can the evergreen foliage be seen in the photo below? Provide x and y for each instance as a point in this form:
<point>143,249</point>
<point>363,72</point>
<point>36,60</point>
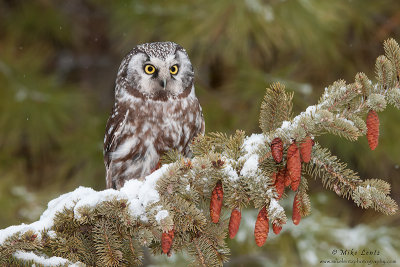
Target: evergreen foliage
<point>276,108</point>
<point>72,58</point>
<point>108,234</point>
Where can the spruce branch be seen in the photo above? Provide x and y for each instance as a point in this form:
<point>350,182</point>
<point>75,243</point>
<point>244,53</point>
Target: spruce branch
<point>392,51</point>
<point>384,72</point>
<point>304,199</point>
<point>334,174</point>
<point>345,182</point>
<point>107,244</point>
<point>107,228</point>
<point>275,108</point>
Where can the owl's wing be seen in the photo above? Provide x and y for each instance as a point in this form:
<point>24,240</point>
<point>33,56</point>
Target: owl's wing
<point>196,129</point>
<point>114,128</point>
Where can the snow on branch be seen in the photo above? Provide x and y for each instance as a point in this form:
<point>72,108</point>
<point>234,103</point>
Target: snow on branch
<point>183,205</point>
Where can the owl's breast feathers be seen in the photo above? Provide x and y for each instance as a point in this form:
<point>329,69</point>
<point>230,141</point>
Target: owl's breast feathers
<point>140,130</point>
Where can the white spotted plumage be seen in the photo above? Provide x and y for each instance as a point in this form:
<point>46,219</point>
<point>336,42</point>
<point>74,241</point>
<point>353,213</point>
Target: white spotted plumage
<point>152,113</point>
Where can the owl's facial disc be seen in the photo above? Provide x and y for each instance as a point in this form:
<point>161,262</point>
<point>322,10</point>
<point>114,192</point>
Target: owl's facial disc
<point>155,76</point>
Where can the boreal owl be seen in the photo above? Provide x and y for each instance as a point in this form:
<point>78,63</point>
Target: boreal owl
<point>155,110</point>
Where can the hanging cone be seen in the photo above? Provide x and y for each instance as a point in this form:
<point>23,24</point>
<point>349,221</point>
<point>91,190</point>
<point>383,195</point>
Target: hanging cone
<point>261,228</point>
<point>296,217</point>
<point>280,183</point>
<point>276,228</point>
<point>234,222</point>
<point>295,185</point>
<point>372,129</point>
<point>277,149</point>
<point>294,165</point>
<point>166,241</point>
<point>216,202</point>
<point>305,149</point>
<point>286,178</point>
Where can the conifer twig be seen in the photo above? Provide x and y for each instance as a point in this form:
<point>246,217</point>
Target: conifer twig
<point>177,196</point>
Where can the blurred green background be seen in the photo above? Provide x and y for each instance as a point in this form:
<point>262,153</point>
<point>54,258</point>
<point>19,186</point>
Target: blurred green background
<point>58,63</point>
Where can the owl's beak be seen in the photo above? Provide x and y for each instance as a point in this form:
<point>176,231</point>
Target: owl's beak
<point>163,83</point>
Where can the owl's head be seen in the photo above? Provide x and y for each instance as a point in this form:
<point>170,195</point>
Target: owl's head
<point>157,70</point>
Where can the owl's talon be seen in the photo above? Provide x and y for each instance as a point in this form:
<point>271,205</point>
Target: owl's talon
<point>156,167</point>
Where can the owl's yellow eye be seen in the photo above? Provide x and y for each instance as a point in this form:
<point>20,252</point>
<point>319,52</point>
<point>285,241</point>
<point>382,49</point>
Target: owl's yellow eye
<point>174,69</point>
<point>149,69</point>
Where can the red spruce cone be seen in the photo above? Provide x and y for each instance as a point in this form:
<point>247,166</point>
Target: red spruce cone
<point>372,129</point>
<point>234,222</point>
<point>296,217</point>
<point>216,202</point>
<point>280,183</point>
<point>294,165</point>
<point>295,185</point>
<point>166,241</point>
<point>286,178</point>
<point>262,227</point>
<point>277,149</point>
<point>305,149</point>
<point>277,229</point>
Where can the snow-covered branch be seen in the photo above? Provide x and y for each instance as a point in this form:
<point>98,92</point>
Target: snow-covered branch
<point>182,205</point>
